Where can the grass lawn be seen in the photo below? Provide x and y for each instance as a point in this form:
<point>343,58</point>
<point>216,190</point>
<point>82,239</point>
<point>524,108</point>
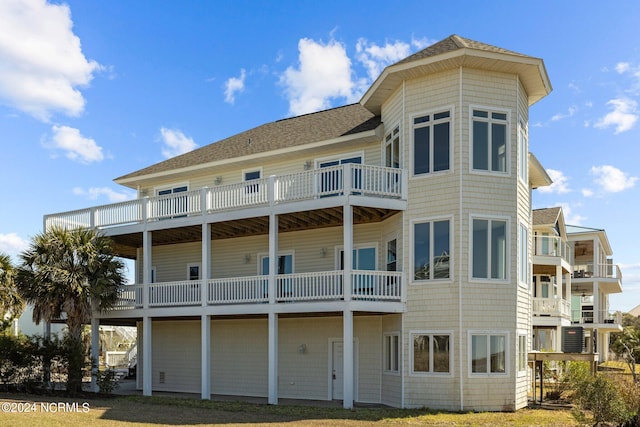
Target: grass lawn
<point>153,411</point>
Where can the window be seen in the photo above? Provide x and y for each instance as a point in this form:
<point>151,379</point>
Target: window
<point>523,256</point>
<point>392,255</point>
<point>431,353</point>
<point>251,176</point>
<point>489,141</point>
<point>364,258</point>
<point>392,148</point>
<point>431,242</point>
<point>522,352</point>
<point>331,181</point>
<point>285,264</point>
<point>431,143</point>
<point>488,353</point>
<point>523,151</point>
<point>193,272</point>
<point>392,352</point>
<point>489,249</point>
<point>172,203</point>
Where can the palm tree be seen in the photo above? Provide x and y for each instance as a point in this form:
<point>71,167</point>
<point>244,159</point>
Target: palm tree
<point>11,304</point>
<point>70,272</point>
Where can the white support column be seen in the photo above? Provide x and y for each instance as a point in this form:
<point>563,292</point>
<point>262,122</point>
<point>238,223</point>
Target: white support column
<point>205,343</point>
<point>146,266</point>
<point>95,351</point>
<point>348,250</point>
<point>206,263</point>
<point>273,256</point>
<point>597,318</point>
<point>273,359</point>
<point>147,378</point>
<point>347,336</point>
<point>560,282</point>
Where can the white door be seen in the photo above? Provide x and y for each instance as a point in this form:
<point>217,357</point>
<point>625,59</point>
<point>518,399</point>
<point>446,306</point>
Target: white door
<point>337,370</point>
<point>337,373</point>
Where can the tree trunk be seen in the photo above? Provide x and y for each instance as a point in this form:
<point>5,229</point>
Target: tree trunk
<point>75,355</point>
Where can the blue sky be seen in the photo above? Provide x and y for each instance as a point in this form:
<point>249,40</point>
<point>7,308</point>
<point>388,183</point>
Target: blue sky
<point>91,90</point>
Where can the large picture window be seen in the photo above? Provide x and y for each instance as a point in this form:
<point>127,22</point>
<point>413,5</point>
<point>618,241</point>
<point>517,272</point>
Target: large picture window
<point>489,249</point>
<point>431,249</point>
<point>488,353</point>
<point>392,148</point>
<point>431,353</point>
<point>431,143</point>
<point>489,140</point>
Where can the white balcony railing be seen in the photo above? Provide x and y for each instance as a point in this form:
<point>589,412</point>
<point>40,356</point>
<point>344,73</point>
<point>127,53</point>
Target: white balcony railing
<point>591,316</point>
<point>591,270</point>
<point>326,285</point>
<point>552,246</point>
<point>553,307</point>
<point>366,180</point>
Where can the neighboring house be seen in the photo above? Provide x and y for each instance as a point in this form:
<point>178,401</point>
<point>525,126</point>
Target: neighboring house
<point>242,287</point>
<point>573,275</point>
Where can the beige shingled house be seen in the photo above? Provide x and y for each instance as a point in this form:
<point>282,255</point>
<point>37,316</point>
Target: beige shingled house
<point>242,286</point>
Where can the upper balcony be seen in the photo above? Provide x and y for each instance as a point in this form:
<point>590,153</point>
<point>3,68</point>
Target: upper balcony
<point>608,276</point>
<point>371,185</point>
<point>549,252</point>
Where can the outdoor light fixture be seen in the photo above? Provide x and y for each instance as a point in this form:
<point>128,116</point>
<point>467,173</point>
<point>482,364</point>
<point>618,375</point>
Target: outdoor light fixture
<point>302,349</point>
<point>323,252</point>
<point>218,180</point>
<point>307,165</point>
<point>247,258</point>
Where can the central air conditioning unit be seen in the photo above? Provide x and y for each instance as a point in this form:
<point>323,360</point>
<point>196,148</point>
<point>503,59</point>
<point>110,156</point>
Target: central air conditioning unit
<point>572,339</point>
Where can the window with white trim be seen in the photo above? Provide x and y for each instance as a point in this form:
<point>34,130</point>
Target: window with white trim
<point>392,255</point>
<point>431,249</point>
<point>489,136</point>
<point>523,255</point>
<point>489,249</point>
<point>431,353</point>
<point>251,175</point>
<point>522,352</point>
<point>523,151</point>
<point>364,258</point>
<point>284,266</point>
<point>488,353</point>
<point>431,143</point>
<point>392,352</point>
<point>392,148</point>
<point>172,203</point>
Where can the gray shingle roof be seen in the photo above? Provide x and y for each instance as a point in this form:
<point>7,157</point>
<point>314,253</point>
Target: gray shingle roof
<point>451,43</point>
<point>291,132</point>
<point>546,216</point>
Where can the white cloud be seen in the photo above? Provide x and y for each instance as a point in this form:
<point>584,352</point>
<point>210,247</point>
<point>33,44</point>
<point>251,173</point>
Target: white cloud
<point>375,58</point>
<point>175,142</point>
<point>612,179</point>
<point>623,117</point>
<point>42,61</point>
<point>12,244</point>
<point>234,85</point>
<point>570,217</point>
<point>570,112</point>
<point>75,146</point>
<point>587,192</point>
<point>94,192</point>
<point>324,72</point>
<point>622,67</point>
<point>560,184</point>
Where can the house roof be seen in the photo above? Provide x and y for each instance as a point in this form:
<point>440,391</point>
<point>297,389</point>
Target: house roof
<point>454,52</point>
<point>546,216</point>
<point>334,124</point>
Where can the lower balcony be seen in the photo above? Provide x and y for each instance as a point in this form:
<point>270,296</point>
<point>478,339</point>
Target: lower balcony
<point>552,307</point>
<point>366,285</point>
<point>601,320</point>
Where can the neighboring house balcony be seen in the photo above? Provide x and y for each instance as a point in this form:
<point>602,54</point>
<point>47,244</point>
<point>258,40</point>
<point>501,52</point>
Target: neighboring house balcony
<point>298,292</point>
<point>602,320</point>
<point>608,276</point>
<point>549,252</point>
<point>551,308</point>
<point>366,185</point>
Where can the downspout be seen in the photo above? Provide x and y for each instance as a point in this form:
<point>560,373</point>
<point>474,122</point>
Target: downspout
<point>404,252</point>
<point>460,334</point>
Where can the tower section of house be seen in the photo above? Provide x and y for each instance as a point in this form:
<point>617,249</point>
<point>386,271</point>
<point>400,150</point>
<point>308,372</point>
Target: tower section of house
<point>378,252</point>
